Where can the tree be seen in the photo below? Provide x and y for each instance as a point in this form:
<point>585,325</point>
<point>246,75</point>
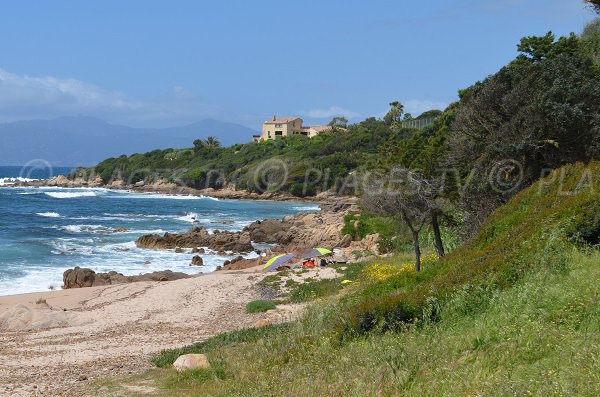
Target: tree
<point>422,153</point>
<point>538,113</point>
<point>595,4</point>
<point>394,115</point>
<point>339,121</point>
<point>408,196</point>
<point>212,143</point>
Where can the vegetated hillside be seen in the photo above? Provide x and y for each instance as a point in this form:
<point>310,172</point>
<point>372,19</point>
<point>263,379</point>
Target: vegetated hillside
<point>74,141</point>
<point>323,162</point>
<point>539,112</point>
<point>513,312</point>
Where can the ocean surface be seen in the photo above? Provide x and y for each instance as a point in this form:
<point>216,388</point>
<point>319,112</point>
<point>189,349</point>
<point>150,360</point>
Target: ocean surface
<point>45,231</point>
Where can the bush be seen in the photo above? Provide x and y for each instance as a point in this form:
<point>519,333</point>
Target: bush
<point>259,306</point>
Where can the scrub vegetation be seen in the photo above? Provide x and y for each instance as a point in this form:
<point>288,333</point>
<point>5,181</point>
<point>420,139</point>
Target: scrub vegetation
<point>502,300</point>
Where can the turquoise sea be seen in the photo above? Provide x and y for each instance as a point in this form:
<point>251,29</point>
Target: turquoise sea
<point>44,231</point>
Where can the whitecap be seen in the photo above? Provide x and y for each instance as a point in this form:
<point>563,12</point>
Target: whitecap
<point>192,217</point>
<point>68,195</point>
<point>85,229</point>
<point>49,214</point>
<point>163,196</point>
<point>12,181</point>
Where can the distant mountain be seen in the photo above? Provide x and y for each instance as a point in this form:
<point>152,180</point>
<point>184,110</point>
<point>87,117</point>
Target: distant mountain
<point>74,141</point>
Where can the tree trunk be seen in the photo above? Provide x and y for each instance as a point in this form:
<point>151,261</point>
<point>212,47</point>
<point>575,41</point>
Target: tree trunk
<point>435,225</point>
<point>415,236</point>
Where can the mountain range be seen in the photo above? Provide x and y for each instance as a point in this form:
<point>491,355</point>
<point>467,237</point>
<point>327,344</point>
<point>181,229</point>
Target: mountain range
<point>84,141</point>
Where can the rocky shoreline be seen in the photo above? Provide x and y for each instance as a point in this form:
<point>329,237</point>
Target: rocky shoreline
<point>163,187</point>
<point>292,234</point>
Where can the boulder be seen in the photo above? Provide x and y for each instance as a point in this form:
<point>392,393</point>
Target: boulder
<point>191,361</point>
<point>78,278</point>
<point>41,316</point>
<point>197,261</point>
<point>196,237</point>
<point>198,250</point>
<point>345,242</point>
<point>179,250</point>
<point>82,277</point>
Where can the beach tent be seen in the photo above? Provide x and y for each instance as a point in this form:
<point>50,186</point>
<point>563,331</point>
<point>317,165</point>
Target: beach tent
<point>276,261</point>
<point>316,252</point>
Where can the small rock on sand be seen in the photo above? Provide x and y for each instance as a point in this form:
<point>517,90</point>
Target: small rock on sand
<point>263,322</point>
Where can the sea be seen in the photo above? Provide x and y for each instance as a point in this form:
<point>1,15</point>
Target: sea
<point>45,231</point>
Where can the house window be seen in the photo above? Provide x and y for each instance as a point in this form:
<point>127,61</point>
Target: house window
<point>278,133</point>
<point>278,125</point>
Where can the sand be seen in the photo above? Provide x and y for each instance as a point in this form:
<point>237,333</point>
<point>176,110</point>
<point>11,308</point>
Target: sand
<point>78,335</point>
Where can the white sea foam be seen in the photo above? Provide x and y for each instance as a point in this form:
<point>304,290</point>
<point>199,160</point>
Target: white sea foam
<point>12,181</point>
<point>307,208</point>
<point>69,195</point>
<point>36,280</point>
<point>85,229</point>
<point>162,196</point>
<point>49,214</point>
<point>192,217</point>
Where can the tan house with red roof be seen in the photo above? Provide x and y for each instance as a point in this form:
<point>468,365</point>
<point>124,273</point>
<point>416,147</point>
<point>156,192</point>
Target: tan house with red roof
<point>287,126</point>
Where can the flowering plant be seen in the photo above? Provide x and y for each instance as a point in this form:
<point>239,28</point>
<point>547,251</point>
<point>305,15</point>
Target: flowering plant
<point>378,272</point>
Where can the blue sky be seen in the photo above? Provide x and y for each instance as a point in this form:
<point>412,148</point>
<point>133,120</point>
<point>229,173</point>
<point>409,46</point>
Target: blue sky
<point>161,63</point>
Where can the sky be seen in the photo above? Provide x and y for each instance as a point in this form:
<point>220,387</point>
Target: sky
<point>165,63</point>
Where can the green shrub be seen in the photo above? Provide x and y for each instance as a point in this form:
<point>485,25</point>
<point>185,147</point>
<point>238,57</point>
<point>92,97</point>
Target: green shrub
<point>259,306</point>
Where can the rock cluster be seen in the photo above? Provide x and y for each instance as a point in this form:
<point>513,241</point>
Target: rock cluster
<point>322,229</point>
<point>83,277</point>
<point>198,237</point>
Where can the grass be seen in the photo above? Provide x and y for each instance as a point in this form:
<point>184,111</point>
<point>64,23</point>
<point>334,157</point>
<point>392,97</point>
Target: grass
<point>260,306</point>
<point>167,357</point>
<point>540,337</point>
<point>513,312</point>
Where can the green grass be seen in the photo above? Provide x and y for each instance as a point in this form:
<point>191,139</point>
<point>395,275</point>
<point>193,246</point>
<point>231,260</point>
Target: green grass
<point>260,306</point>
<point>167,357</point>
<point>540,337</point>
<point>516,311</point>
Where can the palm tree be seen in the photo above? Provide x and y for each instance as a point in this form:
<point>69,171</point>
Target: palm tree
<point>212,142</point>
<point>395,113</point>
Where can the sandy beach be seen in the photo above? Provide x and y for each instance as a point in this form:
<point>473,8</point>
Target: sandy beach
<point>55,343</point>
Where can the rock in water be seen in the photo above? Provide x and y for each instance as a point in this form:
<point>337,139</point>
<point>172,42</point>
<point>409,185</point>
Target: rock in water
<point>191,361</point>
<point>197,261</point>
<point>198,237</point>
